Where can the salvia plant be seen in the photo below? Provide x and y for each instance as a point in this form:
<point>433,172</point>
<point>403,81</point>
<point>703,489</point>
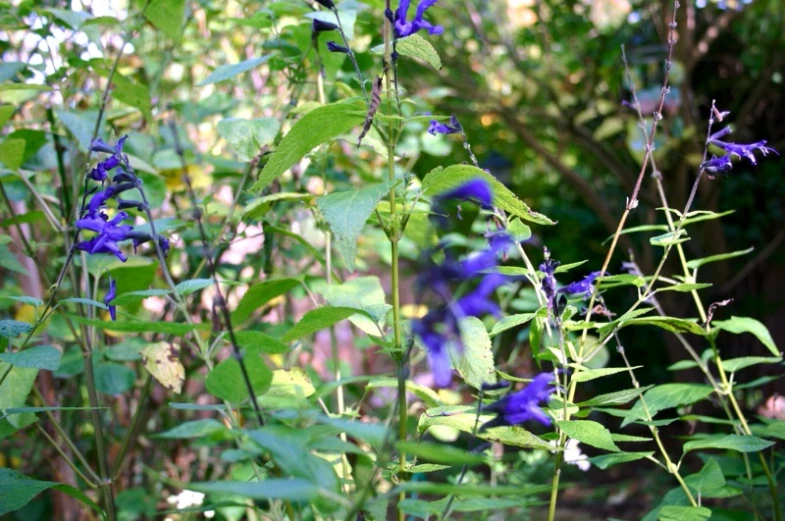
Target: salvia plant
<point>305,319</point>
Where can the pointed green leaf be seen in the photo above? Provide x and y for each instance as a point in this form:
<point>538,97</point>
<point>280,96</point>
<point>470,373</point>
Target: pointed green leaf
<point>12,153</point>
<point>19,490</point>
<point>346,212</point>
<point>277,488</point>
<point>316,320</point>
<point>608,460</point>
<point>591,374</point>
<point>729,442</point>
<point>318,126</point>
<point>260,294</point>
<point>739,325</point>
<point>193,429</point>
<point>167,16</point>
<point>414,46</point>
<point>709,478</point>
<point>226,380</point>
<point>697,263</point>
<point>364,293</point>
<point>475,364</point>
<point>225,72</point>
<point>589,432</point>
<point>443,179</point>
<point>683,513</point>
<point>246,137</point>
<point>187,287</point>
<point>38,357</point>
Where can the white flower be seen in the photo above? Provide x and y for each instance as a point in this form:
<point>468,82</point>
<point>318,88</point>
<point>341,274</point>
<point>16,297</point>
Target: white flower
<point>186,499</point>
<point>573,455</point>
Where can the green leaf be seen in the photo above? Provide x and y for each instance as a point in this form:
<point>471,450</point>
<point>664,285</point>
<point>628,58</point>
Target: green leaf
<point>15,388</point>
<point>74,19</point>
<point>709,478</point>
<point>187,287</point>
<point>260,294</point>
<point>276,488</point>
<point>588,432</point>
<point>225,72</point>
<point>193,429</point>
<point>475,364</point>
<point>114,379</point>
<point>414,46</point>
<point>12,153</point>
<point>346,212</point>
<point>670,238</point>
<point>133,297</point>
<point>443,179</point>
<point>316,320</point>
<point>667,396</point>
<point>261,342</point>
<point>737,364</point>
<point>439,453</point>
<point>19,490</point>
<point>774,429</point>
<point>364,293</point>
<point>30,301</point>
<point>12,328</point>
<point>683,513</point>
<point>614,398</point>
<point>463,418</point>
<point>169,328</point>
<point>6,111</point>
<point>167,16</point>
<point>80,124</point>
<point>38,357</point>
<point>697,263</point>
<point>426,488</point>
<point>675,325</point>
<point>226,380</point>
<point>608,460</point>
<point>511,322</point>
<point>729,442</point>
<point>84,301</point>
<point>132,94</point>
<point>684,287</point>
<point>591,374</point>
<point>318,126</point>
<point>246,137</point>
<point>739,325</point>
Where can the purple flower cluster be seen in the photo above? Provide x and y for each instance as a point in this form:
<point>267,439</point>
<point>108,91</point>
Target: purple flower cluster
<point>582,287</point>
<point>405,28</point>
<point>522,406</point>
<point>439,330</point>
<point>723,164</point>
<point>93,217</point>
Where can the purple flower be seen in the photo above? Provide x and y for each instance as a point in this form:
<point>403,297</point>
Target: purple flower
<point>581,287</point>
<point>439,332</point>
<point>478,302</point>
<point>99,145</point>
<point>110,296</point>
<point>163,243</point>
<point>717,165</point>
<point>320,26</point>
<point>108,234</point>
<point>522,406</point>
<point>478,190</point>
<point>548,267</point>
<point>334,47</point>
<point>454,127</point>
<point>404,28</point>
<point>739,150</point>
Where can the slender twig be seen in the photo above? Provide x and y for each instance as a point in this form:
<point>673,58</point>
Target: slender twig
<point>65,457</point>
<point>351,55</point>
<point>220,302</point>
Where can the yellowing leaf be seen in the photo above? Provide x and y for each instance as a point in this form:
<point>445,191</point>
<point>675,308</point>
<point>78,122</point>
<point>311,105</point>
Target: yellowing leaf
<point>174,178</point>
<point>162,360</point>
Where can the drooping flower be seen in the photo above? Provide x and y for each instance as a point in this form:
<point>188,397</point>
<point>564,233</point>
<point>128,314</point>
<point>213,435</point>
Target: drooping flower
<point>717,165</point>
<point>99,145</point>
<point>739,150</point>
<point>320,26</point>
<point>110,296</point>
<point>439,330</point>
<point>522,406</point>
<point>453,127</point>
<point>405,28</point>
<point>581,287</point>
<point>334,47</point>
<point>109,233</point>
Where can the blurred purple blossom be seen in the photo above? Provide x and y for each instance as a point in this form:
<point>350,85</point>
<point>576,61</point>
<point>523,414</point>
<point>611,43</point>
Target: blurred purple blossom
<point>522,406</point>
<point>110,296</point>
<point>405,28</point>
